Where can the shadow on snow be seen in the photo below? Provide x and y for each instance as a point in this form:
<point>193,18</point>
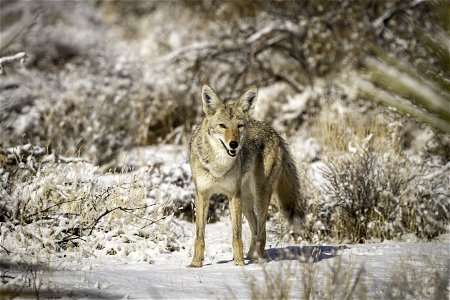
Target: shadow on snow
<point>300,253</point>
<point>303,253</point>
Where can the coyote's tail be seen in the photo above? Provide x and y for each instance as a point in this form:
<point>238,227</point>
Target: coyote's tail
<point>291,201</point>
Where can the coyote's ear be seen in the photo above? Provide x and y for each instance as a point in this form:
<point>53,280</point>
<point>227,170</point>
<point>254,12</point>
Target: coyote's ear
<point>211,101</point>
<point>247,101</point>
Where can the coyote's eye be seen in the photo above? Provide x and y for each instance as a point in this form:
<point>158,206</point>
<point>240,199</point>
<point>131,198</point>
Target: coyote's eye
<point>240,126</point>
<point>222,126</point>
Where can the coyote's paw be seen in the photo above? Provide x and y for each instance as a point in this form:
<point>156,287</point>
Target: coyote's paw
<point>252,256</point>
<point>195,264</point>
<point>238,262</point>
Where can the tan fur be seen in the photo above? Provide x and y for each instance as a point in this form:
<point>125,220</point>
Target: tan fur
<point>246,160</point>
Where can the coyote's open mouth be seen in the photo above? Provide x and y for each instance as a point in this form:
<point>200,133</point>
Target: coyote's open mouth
<point>231,153</point>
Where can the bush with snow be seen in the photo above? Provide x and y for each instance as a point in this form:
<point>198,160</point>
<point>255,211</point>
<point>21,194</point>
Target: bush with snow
<point>367,195</point>
<point>62,204</point>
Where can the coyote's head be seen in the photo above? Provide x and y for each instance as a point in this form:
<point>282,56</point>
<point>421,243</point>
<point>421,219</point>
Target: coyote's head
<point>227,123</point>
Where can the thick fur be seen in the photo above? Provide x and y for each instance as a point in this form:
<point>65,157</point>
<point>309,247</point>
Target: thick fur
<point>246,160</point>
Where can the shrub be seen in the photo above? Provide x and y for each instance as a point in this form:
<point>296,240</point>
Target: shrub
<point>369,195</point>
<point>49,203</point>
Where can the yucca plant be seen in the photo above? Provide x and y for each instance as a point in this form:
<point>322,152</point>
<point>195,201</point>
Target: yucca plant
<point>420,91</point>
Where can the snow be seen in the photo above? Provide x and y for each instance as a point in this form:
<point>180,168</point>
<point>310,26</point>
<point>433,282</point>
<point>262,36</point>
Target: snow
<point>167,277</point>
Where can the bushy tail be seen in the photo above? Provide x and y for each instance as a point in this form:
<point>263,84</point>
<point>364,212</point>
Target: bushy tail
<point>291,201</point>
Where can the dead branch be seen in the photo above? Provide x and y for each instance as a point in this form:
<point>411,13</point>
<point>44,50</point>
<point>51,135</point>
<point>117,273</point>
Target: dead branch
<point>7,251</point>
<point>124,209</point>
<point>242,51</point>
<point>10,59</point>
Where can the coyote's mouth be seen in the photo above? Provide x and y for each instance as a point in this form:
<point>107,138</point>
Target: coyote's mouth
<point>231,153</point>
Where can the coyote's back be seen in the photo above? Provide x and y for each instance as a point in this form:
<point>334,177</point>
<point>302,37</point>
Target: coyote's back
<point>246,160</point>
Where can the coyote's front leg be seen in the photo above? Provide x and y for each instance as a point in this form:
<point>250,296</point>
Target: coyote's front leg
<point>201,215</point>
<point>236,224</point>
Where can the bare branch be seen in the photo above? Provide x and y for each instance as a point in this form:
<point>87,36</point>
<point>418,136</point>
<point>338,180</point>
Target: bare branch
<point>125,209</point>
<point>7,251</point>
<point>10,59</point>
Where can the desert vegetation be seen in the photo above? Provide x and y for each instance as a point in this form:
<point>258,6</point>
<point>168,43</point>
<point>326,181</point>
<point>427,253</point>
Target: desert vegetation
<point>98,100</point>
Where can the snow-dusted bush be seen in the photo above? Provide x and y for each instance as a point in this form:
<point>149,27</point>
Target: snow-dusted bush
<point>368,195</point>
<point>427,211</point>
<point>364,192</point>
<point>50,204</point>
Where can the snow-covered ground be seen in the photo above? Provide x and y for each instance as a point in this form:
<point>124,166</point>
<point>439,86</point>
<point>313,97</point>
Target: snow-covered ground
<point>167,277</point>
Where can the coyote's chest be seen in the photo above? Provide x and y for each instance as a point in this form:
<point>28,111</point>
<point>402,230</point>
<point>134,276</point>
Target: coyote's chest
<point>218,182</point>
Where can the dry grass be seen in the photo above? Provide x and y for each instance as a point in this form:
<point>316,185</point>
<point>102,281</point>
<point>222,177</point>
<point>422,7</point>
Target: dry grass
<point>412,281</point>
<point>51,205</point>
<point>345,280</point>
<point>342,280</point>
<point>277,283</point>
<point>337,133</point>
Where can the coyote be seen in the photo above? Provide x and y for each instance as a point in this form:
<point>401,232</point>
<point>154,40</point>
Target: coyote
<point>246,160</point>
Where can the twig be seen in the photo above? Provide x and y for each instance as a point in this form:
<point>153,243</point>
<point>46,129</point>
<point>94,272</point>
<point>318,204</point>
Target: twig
<point>7,251</point>
<point>153,222</point>
<point>10,59</point>
<point>40,212</point>
<point>107,211</point>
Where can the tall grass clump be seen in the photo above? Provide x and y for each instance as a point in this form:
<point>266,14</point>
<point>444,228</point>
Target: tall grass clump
<point>277,283</point>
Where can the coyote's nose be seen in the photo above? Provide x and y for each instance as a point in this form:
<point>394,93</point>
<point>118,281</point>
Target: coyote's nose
<point>234,144</point>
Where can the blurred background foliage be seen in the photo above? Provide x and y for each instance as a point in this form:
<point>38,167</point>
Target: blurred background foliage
<point>103,76</point>
<point>423,89</point>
